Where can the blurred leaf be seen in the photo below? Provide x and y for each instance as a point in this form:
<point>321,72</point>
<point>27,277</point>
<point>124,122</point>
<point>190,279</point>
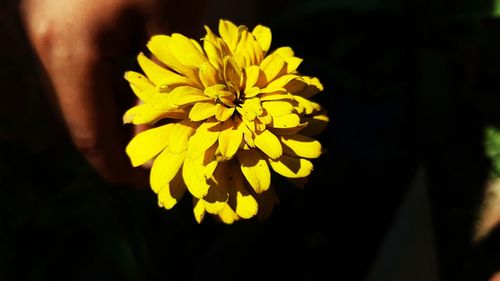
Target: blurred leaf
<point>492,146</point>
<point>496,8</point>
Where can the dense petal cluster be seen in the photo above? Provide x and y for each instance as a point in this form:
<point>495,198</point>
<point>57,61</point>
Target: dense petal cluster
<point>225,115</point>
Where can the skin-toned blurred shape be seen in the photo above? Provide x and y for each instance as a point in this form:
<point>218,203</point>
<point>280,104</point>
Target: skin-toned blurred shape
<point>77,43</point>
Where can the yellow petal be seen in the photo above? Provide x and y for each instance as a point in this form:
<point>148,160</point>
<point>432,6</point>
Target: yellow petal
<point>252,75</point>
<point>214,203</point>
<point>289,131</point>
<point>196,183</point>
<point>204,137</point>
<point>229,32</point>
<point>306,104</point>
<point>244,203</point>
<point>184,95</point>
<point>148,144</point>
<point>223,113</point>
<point>202,111</point>
<point>265,118</point>
<point>160,75</point>
<point>258,52</point>
<point>252,92</point>
<point>314,87</point>
<point>277,95</point>
<point>132,113</point>
<point>232,72</point>
<point>285,52</point>
<point>164,168</point>
<point>218,194</point>
<point>254,168</point>
<point>170,194</point>
<point>278,108</point>
<point>159,45</point>
<point>212,49</point>
<point>230,139</point>
<point>295,86</point>
<point>279,84</point>
<point>301,146</point>
<point>292,63</point>
<point>208,75</point>
<point>291,167</point>
<point>210,162</point>
<point>248,51</point>
<point>263,36</point>
<point>269,144</point>
<point>150,112</point>
<point>272,66</point>
<point>286,121</point>
<point>186,51</point>
<point>179,136</point>
<point>250,109</point>
<point>227,215</point>
<point>141,86</point>
<point>198,210</point>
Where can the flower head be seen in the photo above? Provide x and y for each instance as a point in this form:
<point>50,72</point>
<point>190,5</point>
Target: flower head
<point>226,114</point>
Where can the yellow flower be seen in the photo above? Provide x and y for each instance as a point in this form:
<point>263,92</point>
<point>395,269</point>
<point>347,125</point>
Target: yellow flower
<point>225,115</point>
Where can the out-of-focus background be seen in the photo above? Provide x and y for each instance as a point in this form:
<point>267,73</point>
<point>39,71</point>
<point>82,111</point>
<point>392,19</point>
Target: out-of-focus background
<point>412,88</point>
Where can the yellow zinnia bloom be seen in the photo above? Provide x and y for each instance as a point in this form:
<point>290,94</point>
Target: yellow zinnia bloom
<point>225,115</point>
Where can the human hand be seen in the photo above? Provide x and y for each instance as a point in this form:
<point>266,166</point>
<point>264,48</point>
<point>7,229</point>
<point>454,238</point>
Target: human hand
<point>78,43</point>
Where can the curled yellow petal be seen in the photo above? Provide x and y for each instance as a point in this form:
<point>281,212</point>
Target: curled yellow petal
<point>263,36</point>
<point>186,95</point>
<point>223,113</point>
<point>272,66</point>
<point>246,205</point>
<point>229,33</point>
<point>227,215</point>
<point>279,83</point>
<point>301,146</point>
<point>269,144</point>
<point>159,75</point>
<point>140,85</point>
<point>292,63</point>
<point>218,194</point>
<point>230,138</point>
<point>255,169</point>
<point>291,167</point>
<point>159,45</point>
<point>170,194</point>
<point>148,144</point>
<point>196,183</point>
<point>208,75</point>
<point>314,86</point>
<point>198,210</point>
<point>164,168</point>
<point>285,52</point>
<point>203,138</point>
<point>278,108</point>
<point>202,111</point>
<point>286,121</point>
<point>186,51</point>
<point>179,136</point>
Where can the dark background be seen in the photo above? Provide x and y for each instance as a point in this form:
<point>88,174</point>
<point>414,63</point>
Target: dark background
<point>408,84</point>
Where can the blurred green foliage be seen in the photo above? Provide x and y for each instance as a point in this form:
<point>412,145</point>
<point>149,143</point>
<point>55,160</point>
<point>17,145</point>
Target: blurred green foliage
<point>492,145</point>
